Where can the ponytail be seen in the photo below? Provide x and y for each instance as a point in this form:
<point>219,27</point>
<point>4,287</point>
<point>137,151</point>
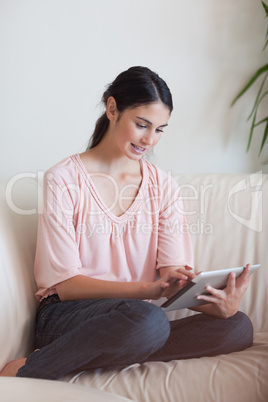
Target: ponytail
<point>101,127</point>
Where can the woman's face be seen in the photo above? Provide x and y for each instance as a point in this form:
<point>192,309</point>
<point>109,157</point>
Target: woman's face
<point>139,129</point>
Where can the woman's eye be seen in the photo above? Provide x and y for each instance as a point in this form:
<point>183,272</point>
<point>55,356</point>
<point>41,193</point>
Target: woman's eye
<point>159,131</point>
<point>140,125</point>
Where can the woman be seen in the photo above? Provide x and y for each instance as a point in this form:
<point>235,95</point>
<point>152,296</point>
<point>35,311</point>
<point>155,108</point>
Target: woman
<point>110,224</point>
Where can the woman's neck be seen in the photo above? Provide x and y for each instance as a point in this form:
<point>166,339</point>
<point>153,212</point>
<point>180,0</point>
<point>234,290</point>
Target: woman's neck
<point>100,160</point>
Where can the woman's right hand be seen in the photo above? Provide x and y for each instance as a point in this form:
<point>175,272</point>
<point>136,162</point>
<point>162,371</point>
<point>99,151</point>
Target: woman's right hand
<point>172,280</point>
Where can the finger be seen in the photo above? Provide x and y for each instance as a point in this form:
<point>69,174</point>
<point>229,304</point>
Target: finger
<point>175,275</point>
<point>182,284</point>
<point>188,268</point>
<point>220,294</point>
<point>185,272</point>
<point>246,271</point>
<point>243,285</point>
<point>164,285</point>
<point>210,299</point>
<point>231,282</point>
<point>243,279</point>
<point>248,267</point>
<point>215,296</point>
<point>246,284</point>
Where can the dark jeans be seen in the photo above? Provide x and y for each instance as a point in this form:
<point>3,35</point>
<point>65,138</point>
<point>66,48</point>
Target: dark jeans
<point>113,333</point>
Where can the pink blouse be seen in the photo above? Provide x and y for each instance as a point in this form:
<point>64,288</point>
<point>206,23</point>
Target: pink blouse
<point>78,233</point>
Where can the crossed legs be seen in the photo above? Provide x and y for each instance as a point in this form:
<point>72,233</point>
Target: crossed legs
<point>112,333</point>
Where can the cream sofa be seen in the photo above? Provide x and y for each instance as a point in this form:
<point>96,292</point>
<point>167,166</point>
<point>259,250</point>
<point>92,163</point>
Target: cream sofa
<point>228,221</point>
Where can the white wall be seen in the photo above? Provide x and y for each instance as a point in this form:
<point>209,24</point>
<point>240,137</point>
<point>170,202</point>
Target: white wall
<point>58,55</point>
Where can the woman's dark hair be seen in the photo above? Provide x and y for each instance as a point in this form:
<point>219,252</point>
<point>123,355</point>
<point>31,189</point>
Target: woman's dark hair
<point>134,87</point>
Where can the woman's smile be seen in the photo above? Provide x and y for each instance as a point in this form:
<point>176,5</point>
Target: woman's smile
<point>138,149</point>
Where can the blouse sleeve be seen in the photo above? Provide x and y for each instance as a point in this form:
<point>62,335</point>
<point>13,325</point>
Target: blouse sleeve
<point>57,254</point>
<point>174,242</point>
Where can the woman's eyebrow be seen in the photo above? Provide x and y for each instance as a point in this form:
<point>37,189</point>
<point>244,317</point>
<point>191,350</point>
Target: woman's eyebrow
<point>149,122</point>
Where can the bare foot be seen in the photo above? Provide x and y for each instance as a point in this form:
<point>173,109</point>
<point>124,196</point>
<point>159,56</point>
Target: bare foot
<point>11,368</point>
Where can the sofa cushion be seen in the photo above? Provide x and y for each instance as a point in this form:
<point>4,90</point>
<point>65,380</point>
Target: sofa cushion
<point>236,377</point>
<point>33,390</point>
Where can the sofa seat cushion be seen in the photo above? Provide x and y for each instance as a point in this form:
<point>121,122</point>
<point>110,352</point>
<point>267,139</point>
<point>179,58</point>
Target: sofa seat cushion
<point>33,390</point>
<point>239,377</point>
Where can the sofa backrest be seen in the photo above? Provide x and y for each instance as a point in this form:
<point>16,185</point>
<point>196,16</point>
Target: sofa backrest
<point>227,218</point>
<point>228,222</point>
<point>17,286</point>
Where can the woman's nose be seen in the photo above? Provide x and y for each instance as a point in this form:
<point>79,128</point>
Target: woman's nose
<point>148,138</point>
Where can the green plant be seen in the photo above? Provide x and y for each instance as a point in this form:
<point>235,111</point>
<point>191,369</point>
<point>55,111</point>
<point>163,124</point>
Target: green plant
<point>260,96</point>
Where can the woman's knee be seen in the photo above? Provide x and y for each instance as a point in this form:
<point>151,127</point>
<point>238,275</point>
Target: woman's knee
<point>242,330</point>
<point>150,327</point>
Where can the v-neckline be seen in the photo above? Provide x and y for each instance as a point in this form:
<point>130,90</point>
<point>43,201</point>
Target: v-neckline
<point>134,206</point>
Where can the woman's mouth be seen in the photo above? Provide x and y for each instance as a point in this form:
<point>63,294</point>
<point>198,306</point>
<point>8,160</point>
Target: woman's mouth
<point>138,149</point>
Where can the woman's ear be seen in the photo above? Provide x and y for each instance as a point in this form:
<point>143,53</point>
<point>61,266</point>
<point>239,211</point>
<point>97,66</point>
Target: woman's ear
<point>111,109</point>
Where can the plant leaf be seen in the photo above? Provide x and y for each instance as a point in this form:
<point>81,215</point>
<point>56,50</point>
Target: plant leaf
<point>256,104</point>
<point>260,122</point>
<point>264,138</point>
<point>266,43</point>
<point>250,82</point>
<point>251,129</point>
<point>265,6</point>
<point>253,124</point>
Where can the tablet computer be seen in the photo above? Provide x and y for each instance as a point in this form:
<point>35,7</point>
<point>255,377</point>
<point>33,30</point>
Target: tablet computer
<point>186,297</point>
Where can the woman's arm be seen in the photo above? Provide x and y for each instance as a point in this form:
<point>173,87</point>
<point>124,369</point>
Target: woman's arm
<point>83,287</point>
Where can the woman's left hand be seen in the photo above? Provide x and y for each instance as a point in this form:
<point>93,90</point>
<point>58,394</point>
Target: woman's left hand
<point>225,303</point>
